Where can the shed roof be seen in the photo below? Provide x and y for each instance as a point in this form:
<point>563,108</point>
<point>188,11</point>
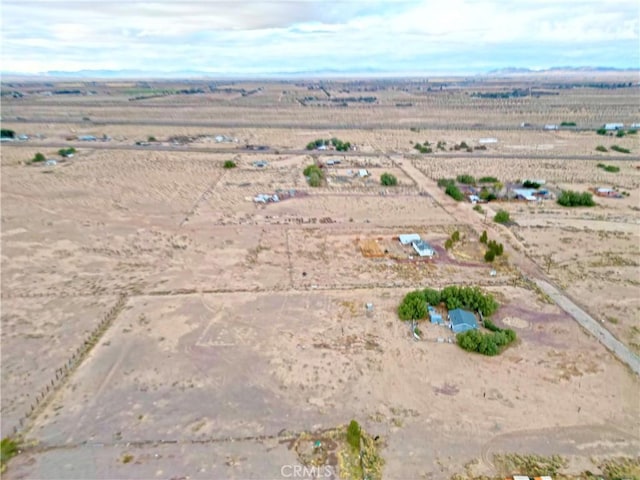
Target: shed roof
<point>462,317</point>
<point>407,238</point>
<point>526,193</point>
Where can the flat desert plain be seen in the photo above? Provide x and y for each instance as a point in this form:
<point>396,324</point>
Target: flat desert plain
<point>160,321</point>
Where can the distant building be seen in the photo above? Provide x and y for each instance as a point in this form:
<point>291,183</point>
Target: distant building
<point>528,194</point>
<point>363,172</point>
<point>462,320</point>
<point>87,138</point>
<point>612,127</point>
<point>423,249</point>
<point>551,127</point>
<point>608,192</point>
<point>409,238</point>
<point>484,141</point>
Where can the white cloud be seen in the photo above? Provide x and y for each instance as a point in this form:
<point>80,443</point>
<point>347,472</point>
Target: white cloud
<point>40,35</point>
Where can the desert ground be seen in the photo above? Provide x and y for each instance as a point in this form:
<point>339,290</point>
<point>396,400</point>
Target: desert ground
<point>157,322</point>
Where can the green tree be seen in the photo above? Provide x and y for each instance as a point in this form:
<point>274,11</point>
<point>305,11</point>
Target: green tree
<point>448,243</point>
<point>388,180</point>
<point>455,236</point>
<point>413,306</point>
<point>484,237</point>
<point>229,164</point>
<point>431,296</point>
<point>454,192</point>
<point>489,256</point>
<point>39,157</point>
<point>6,133</point>
<point>569,198</point>
<point>353,435</point>
<point>502,217</point>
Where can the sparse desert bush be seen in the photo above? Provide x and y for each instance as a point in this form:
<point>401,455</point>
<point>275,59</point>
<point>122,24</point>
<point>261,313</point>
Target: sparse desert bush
<point>533,465</point>
<point>632,131</point>
<point>489,344</point>
<point>455,236</point>
<point>569,198</point>
<point>478,208</point>
<point>426,148</point>
<point>448,243</point>
<point>127,458</point>
<point>502,216</point>
<point>530,184</point>
<point>619,149</point>
<point>609,168</point>
<point>484,237</point>
<point>388,180</point>
<point>489,256</point>
<point>568,124</point>
<point>151,138</point>
<point>601,148</point>
<point>229,164</point>
<point>601,131</point>
<point>6,133</point>
<point>445,182</point>
<point>620,133</point>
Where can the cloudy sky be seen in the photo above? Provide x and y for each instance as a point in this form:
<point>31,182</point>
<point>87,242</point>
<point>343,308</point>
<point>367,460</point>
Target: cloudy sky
<point>284,36</point>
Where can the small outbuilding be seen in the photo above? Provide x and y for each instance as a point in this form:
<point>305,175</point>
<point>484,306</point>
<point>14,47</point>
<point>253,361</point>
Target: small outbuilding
<point>409,238</point>
<point>434,316</point>
<point>423,249</point>
<point>612,127</point>
<point>462,320</point>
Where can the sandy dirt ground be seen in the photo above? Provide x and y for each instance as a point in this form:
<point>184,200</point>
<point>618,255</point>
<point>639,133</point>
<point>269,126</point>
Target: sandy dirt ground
<point>245,324</point>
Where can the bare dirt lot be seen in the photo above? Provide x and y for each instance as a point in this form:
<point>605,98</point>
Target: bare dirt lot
<point>242,324</point>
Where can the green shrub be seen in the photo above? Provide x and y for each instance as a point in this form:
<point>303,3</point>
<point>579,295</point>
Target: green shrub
<point>489,256</point>
<point>530,184</point>
<point>488,180</point>
<point>151,138</point>
<point>38,157</point>
<point>484,237</point>
<point>632,131</point>
<point>448,243</point>
<point>609,168</point>
<point>6,133</point>
<point>466,179</point>
<point>445,182</point>
<point>620,133</point>
<point>568,124</point>
<point>618,149</point>
<point>353,435</point>
<point>454,192</point>
<point>478,208</point>
<point>455,236</point>
<point>66,152</point>
<point>601,131</point>
<point>601,148</point>
<point>8,449</point>
<point>314,175</point>
<point>229,164</point>
<point>502,217</point>
<point>315,179</point>
<point>389,180</point>
<point>570,198</point>
<point>486,343</point>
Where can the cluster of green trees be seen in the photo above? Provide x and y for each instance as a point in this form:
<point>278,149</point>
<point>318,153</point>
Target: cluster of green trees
<point>568,124</point>
<point>451,189</point>
<point>338,144</point>
<point>6,133</point>
<point>314,175</point>
<point>494,249</point>
<point>569,198</point>
<point>502,216</point>
<point>455,237</point>
<point>462,146</point>
<point>229,164</point>
<point>388,180</point>
<point>466,179</point>
<point>601,148</point>
<point>486,343</point>
<point>414,304</point>
<point>66,152</point>
<point>609,168</point>
<point>619,133</point>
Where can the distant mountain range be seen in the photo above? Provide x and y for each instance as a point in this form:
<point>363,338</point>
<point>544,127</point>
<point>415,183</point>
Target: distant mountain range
<point>367,72</point>
<point>515,70</point>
